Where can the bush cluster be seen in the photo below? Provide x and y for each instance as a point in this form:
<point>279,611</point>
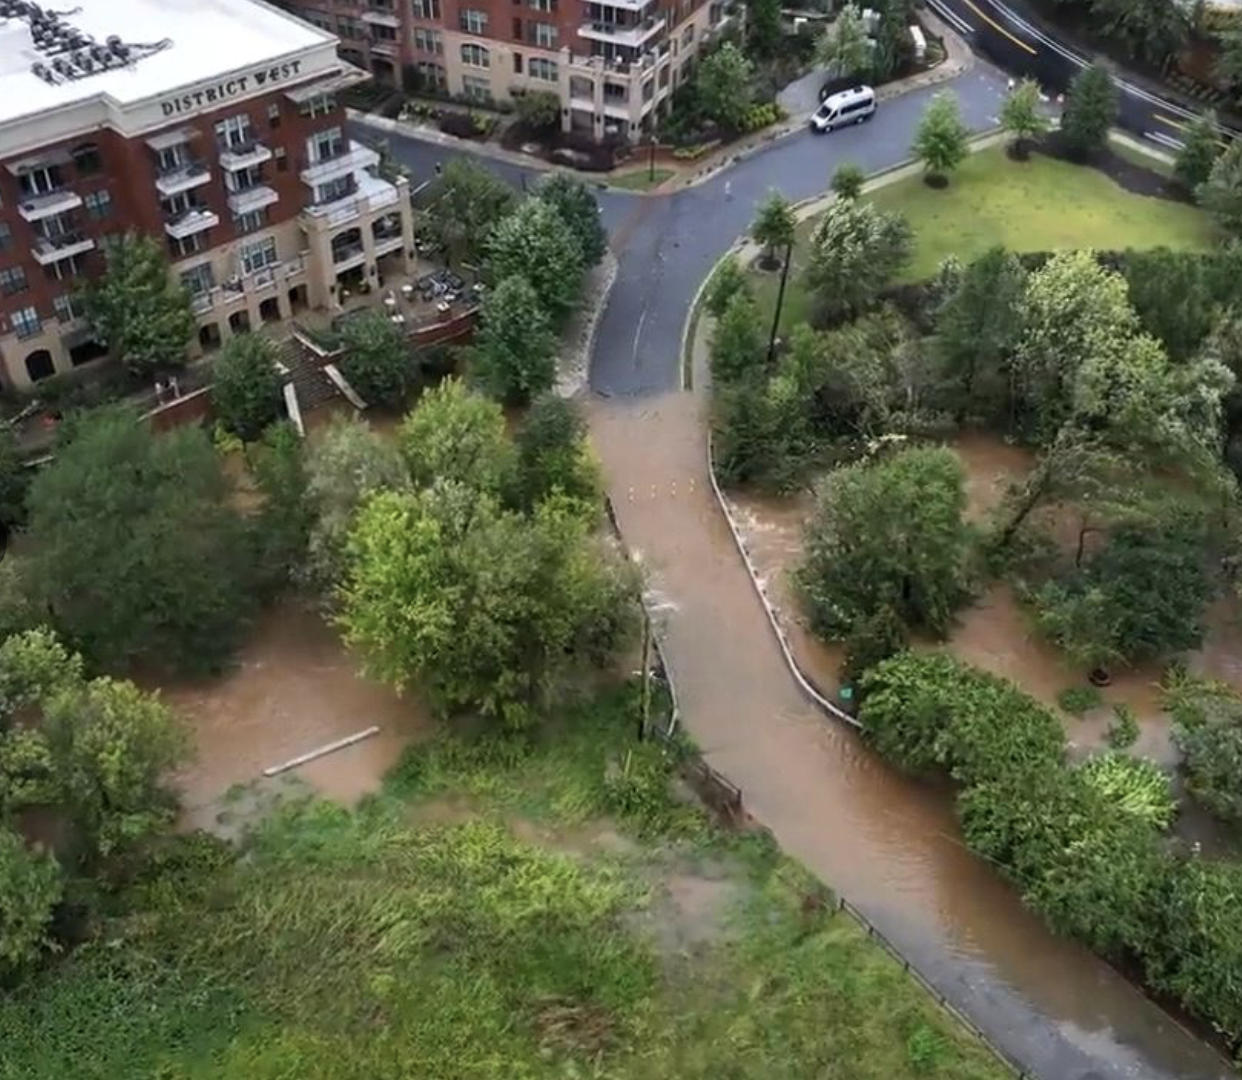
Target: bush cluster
<point>1083,845</point>
<point>760,116</point>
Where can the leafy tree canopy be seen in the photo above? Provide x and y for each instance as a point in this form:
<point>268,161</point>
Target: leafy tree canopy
<point>465,204</point>
<point>941,140</point>
<point>723,83</point>
<point>245,386</point>
<point>514,353</point>
<point>1090,110</point>
<point>579,209</point>
<point>535,242</point>
<point>377,360</point>
<point>1022,117</point>
<point>457,436</point>
<point>855,251</point>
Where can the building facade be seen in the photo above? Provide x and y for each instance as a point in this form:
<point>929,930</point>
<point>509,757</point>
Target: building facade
<point>612,63</point>
<point>223,139</point>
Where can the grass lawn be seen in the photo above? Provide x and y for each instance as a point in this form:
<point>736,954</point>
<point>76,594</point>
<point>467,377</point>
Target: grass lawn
<point>1038,205</point>
<point>640,180</point>
<point>502,911</point>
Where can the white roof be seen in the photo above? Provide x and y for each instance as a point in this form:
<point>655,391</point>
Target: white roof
<point>206,40</point>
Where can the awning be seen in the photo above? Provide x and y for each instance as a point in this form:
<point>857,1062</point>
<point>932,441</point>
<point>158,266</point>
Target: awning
<point>168,139</point>
<point>341,80</point>
<point>40,161</point>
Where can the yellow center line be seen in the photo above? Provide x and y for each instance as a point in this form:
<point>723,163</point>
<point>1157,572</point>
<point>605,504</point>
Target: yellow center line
<point>997,27</point>
<point>1168,120</point>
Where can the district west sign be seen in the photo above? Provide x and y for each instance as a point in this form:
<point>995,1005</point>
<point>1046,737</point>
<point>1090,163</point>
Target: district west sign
<point>221,92</point>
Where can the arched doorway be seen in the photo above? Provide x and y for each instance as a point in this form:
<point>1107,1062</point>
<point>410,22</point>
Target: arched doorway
<point>39,365</point>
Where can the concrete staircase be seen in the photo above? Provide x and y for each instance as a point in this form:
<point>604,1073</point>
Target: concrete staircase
<point>305,378</point>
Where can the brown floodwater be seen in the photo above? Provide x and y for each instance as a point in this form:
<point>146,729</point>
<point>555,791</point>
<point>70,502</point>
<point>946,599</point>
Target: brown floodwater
<point>293,687</point>
<point>887,843</point>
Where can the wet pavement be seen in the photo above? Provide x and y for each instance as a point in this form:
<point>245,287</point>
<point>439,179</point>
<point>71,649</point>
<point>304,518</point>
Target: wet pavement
<point>888,844</point>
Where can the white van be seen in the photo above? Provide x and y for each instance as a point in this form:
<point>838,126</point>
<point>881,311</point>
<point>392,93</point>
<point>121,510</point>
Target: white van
<point>848,107</point>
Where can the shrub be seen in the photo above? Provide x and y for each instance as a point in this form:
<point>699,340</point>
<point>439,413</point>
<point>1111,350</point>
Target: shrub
<point>1123,732</point>
<point>848,180</point>
<point>1135,785</point>
<point>1207,728</point>
<point>1077,700</point>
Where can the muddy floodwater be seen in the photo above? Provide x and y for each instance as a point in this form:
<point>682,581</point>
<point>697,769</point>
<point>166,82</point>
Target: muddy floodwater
<point>293,687</point>
<point>887,843</point>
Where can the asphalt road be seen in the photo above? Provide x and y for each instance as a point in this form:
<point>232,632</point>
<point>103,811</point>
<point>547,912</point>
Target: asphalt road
<point>665,245</point>
<point>1016,38</point>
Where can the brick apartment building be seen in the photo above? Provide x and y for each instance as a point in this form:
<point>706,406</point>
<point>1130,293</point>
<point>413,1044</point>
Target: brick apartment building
<point>612,63</point>
<point>210,124</point>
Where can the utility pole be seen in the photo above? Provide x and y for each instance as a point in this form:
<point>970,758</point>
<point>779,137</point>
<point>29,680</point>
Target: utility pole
<point>780,302</point>
<point>645,714</point>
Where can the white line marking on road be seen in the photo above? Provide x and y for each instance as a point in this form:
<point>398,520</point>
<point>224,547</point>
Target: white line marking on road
<point>950,16</point>
<point>638,330</point>
<point>1165,140</point>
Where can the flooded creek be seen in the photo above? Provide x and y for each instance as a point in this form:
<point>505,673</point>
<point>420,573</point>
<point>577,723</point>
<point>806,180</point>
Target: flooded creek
<point>293,687</point>
<point>888,844</point>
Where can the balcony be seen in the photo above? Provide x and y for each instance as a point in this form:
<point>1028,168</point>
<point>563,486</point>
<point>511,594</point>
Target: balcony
<point>349,158</point>
<point>243,155</point>
<point>194,220</point>
<point>377,17</point>
<point>38,207</point>
<point>239,287</point>
<point>632,37</point>
<point>348,255</point>
<point>51,249</point>
<point>253,198</point>
<point>183,177</point>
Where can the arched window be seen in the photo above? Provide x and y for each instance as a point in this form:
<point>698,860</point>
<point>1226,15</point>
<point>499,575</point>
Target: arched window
<point>86,159</point>
<point>474,55</point>
<point>39,365</point>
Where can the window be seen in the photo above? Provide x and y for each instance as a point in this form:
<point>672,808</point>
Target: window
<point>67,308</point>
<point>12,280</point>
<point>234,132</point>
<point>251,221</point>
<point>273,114</point>
<point>41,181</point>
<point>616,92</point>
<point>334,189</point>
<point>319,105</point>
<point>39,365</point>
<point>243,179</point>
<point>187,245</point>
<point>427,9</point>
<point>26,322</point>
<point>86,159</point>
<point>517,62</point>
<point>539,68</point>
<point>257,256</point>
<point>476,88</point>
<point>98,204</point>
<point>379,32</point>
<point>545,35</point>
<point>325,145</point>
<point>473,21</point>
<point>474,55</point>
<point>63,269</point>
<point>687,35</point>
<point>199,279</point>
<point>6,235</point>
<point>348,27</point>
<point>430,75</point>
<point>517,33</point>
<point>542,5</point>
<point>429,41</point>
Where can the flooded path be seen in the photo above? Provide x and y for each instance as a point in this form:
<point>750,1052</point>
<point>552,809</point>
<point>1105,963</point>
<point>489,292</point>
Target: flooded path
<point>293,688</point>
<point>888,844</point>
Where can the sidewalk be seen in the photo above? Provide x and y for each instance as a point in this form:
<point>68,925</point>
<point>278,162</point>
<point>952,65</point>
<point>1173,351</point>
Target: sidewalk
<point>958,60</point>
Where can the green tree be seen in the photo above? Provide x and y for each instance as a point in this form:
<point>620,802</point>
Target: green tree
<point>737,345</point>
<point>30,889</point>
<point>763,28</point>
<point>855,251</point>
<point>137,309</point>
<point>280,528</point>
<point>35,666</point>
<point>941,140</point>
<point>465,204</point>
<point>514,353</point>
<point>1152,30</point>
<point>347,462</point>
<point>893,50</point>
<point>844,48</point>
<point>978,328</point>
<point>14,478</point>
<point>579,209</point>
<point>457,436</point>
<point>726,282</point>
<point>534,242</point>
<point>113,745</point>
<point>887,534</point>
<point>484,609</point>
<point>539,110</point>
<point>847,181</point>
<point>138,551</point>
<point>1229,59</point>
<point>1022,118</point>
<point>1221,194</point>
<point>554,455</point>
<point>774,227</point>
<point>1200,149</point>
<point>723,82</point>
<point>1090,110</point>
<point>1171,295</point>
<point>377,360</point>
<point>245,386</point>
<point>1207,729</point>
<point>20,609</point>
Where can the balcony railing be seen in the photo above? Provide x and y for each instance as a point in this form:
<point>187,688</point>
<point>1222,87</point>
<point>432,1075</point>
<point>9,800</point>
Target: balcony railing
<point>188,222</point>
<point>242,286</point>
<point>255,197</point>
<point>242,155</point>
<point>345,252</point>
<point>346,157</point>
<point>631,36</point>
<point>45,204</point>
<point>51,249</point>
<point>182,177</point>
